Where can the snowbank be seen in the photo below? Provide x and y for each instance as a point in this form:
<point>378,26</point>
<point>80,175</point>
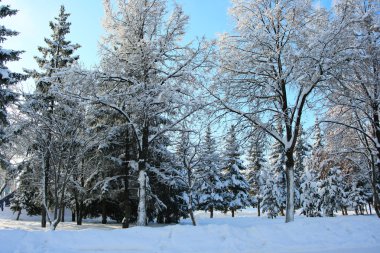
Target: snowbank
<point>241,234</point>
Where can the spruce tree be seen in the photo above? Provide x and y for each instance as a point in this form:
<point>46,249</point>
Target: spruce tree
<point>56,57</point>
<point>317,150</point>
<point>277,165</point>
<point>269,193</point>
<point>331,191</point>
<point>257,163</point>
<point>237,195</point>
<point>211,187</point>
<point>300,155</point>
<point>8,79</point>
<point>309,197</point>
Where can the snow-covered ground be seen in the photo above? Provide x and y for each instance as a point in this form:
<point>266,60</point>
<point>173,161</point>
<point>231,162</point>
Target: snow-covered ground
<point>244,233</point>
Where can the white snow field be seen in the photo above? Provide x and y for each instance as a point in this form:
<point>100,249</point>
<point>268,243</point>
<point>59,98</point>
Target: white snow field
<point>245,233</point>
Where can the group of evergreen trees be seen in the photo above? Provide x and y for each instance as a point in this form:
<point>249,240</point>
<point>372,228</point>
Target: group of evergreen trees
<point>123,141</point>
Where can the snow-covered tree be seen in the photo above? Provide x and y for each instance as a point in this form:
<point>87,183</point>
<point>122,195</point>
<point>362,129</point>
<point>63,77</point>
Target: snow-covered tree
<point>279,53</point>
<point>146,75</point>
<point>301,152</point>
<point>237,195</point>
<point>356,87</point>
<point>276,166</point>
<point>212,188</point>
<point>269,193</point>
<point>189,158</point>
<point>257,163</point>
<point>8,79</point>
<point>309,195</point>
<point>331,191</point>
<point>52,114</point>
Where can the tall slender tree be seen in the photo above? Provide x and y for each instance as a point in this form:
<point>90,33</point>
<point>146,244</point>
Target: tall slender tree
<point>56,57</point>
<point>237,195</point>
<point>257,163</point>
<point>211,187</point>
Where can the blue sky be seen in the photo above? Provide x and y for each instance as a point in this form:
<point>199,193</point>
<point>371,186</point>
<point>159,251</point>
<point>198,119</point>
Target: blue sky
<point>207,18</point>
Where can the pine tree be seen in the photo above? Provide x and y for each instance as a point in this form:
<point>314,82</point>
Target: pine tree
<point>257,163</point>
<point>238,188</point>
<point>300,155</point>
<point>58,54</point>
<point>309,197</point>
<point>8,79</point>
<point>317,154</point>
<point>211,187</point>
<point>43,105</point>
<point>331,191</point>
<point>269,193</point>
<point>277,163</point>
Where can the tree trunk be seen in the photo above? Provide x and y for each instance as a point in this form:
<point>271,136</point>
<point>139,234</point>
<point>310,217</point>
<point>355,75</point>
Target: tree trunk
<point>43,217</point>
<point>63,213</point>
<point>72,215</point>
<point>190,208</point>
<point>80,213</point>
<point>289,186</point>
<point>18,215</point>
<point>376,198</point>
<point>211,212</point>
<point>258,207</point>
<point>128,158</point>
<point>233,212</point>
<point>370,209</point>
<point>143,155</point>
<point>104,213</point>
<point>192,217</point>
<point>141,210</point>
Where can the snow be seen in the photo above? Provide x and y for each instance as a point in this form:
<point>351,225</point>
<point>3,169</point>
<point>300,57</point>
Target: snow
<point>244,233</point>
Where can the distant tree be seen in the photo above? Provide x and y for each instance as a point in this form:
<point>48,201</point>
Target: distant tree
<point>301,153</point>
<point>269,193</point>
<point>212,188</point>
<point>276,166</point>
<point>309,195</point>
<point>257,163</point>
<point>237,195</point>
<point>331,191</point>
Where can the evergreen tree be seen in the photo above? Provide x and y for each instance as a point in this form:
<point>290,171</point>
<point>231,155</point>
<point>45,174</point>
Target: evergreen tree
<point>150,88</point>
<point>331,191</point>
<point>277,163</point>
<point>300,155</point>
<point>317,154</point>
<point>8,79</point>
<point>269,193</point>
<point>27,195</point>
<point>43,105</point>
<point>257,163</point>
<point>238,188</point>
<point>309,197</point>
<point>211,187</point>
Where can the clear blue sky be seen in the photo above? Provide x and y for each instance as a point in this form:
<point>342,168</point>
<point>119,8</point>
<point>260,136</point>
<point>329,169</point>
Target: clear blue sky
<point>207,17</point>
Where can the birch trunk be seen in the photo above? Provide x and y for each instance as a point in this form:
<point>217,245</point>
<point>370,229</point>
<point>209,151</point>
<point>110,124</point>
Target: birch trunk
<point>141,210</point>
<point>289,187</point>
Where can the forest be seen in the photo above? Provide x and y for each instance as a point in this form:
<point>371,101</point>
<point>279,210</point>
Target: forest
<point>281,114</point>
